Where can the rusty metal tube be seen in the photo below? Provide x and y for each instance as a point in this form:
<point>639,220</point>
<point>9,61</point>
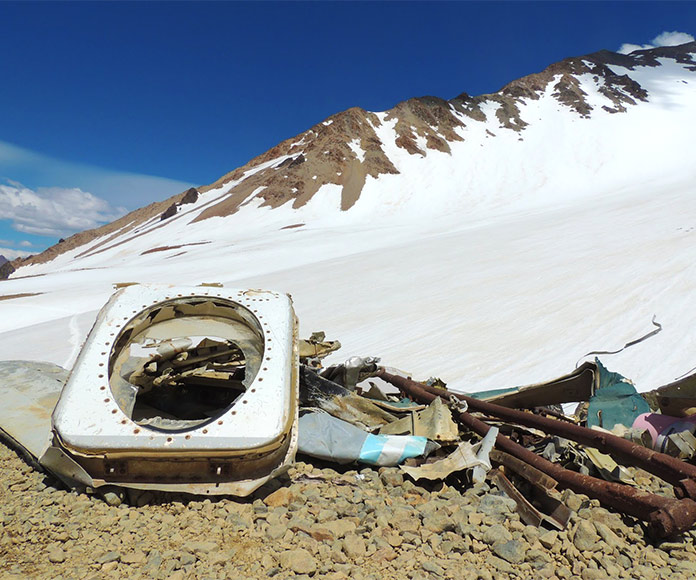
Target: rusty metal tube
<point>678,473</point>
<point>666,517</point>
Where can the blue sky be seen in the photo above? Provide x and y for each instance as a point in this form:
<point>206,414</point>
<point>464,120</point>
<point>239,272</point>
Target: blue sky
<point>106,106</point>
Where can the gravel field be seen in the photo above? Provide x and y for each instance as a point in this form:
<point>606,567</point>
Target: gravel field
<point>322,523</point>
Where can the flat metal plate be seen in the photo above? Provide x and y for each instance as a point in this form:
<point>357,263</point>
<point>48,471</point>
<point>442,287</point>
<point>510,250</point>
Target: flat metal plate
<point>29,393</point>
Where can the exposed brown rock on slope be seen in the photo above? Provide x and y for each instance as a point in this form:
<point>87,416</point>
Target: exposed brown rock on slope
<point>191,196</point>
<point>315,158</point>
<point>298,167</point>
<point>21,295</point>
<point>324,157</point>
<point>6,269</point>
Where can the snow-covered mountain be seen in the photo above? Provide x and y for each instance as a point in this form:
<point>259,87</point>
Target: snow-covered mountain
<point>493,240</point>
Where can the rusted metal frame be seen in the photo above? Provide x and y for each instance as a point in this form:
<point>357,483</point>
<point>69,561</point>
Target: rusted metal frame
<point>665,516</point>
<point>558,516</point>
<point>528,513</point>
<point>555,509</point>
<point>680,474</point>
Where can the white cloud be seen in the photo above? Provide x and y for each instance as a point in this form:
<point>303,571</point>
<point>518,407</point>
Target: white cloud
<point>25,244</point>
<point>132,190</point>
<point>54,211</point>
<point>11,254</point>
<point>666,38</point>
<point>673,38</point>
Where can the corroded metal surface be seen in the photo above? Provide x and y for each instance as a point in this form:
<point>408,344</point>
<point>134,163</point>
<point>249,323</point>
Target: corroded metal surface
<point>668,468</point>
<point>665,516</point>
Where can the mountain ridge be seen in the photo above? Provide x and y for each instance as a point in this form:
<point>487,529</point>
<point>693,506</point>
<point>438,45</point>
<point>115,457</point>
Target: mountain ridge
<point>349,148</point>
<point>497,255</point>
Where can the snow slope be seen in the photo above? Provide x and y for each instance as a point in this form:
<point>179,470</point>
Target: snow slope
<point>500,262</point>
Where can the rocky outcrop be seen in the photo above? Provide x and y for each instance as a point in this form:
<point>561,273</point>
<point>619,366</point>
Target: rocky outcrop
<point>169,212</point>
<point>191,196</point>
<point>326,154</point>
<point>6,269</point>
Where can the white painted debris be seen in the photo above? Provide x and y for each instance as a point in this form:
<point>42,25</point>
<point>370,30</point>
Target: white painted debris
<point>181,389</point>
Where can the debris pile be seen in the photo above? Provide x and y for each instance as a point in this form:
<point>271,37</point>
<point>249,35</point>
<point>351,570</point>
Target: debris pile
<point>360,412</point>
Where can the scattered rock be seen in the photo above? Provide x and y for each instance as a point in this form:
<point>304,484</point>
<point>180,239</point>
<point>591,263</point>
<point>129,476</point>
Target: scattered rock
<point>549,539</point>
<point>299,560</point>
<point>500,565</point>
<point>199,547</point>
<point>433,568</point>
<point>136,557</point>
<point>320,533</point>
<point>585,536</point>
<point>113,498</point>
<point>391,477</point>
<point>496,504</point>
<point>438,522</point>
<point>56,554</point>
<point>594,574</point>
<point>280,497</point>
<point>361,528</point>
<point>496,533</point>
<point>340,528</point>
<point>354,546</point>
<point>609,537</point>
<point>538,556</point>
<point>572,500</point>
<point>186,558</point>
<point>108,557</point>
<point>512,551</point>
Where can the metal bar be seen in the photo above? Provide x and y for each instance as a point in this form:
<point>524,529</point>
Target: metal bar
<point>666,517</point>
<point>524,470</point>
<point>680,474</point>
<point>530,515</point>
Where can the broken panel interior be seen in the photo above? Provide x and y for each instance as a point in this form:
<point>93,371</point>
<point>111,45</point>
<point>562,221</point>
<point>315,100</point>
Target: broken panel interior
<point>183,363</point>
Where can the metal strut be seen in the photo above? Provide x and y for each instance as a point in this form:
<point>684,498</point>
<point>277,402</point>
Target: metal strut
<point>678,473</point>
<point>665,516</point>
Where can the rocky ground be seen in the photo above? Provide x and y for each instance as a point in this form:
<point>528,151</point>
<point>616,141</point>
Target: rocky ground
<point>318,522</point>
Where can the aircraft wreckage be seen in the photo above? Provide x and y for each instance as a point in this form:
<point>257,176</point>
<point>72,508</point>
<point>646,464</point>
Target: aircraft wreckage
<point>175,389</point>
<point>198,390</point>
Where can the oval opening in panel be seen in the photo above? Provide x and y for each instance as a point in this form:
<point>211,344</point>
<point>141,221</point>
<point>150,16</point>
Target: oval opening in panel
<point>183,363</point>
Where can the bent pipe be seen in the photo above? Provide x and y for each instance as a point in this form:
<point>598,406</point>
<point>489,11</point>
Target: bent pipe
<point>666,517</point>
<point>678,473</point>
